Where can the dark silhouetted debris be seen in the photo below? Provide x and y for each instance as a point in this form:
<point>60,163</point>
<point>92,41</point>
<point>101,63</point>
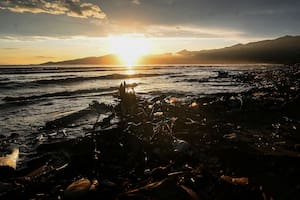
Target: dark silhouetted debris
<point>221,146</point>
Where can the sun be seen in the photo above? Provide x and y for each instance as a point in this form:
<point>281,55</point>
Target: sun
<point>129,48</point>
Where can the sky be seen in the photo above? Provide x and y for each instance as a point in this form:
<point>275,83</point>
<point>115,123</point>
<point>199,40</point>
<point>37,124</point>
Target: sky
<point>37,31</point>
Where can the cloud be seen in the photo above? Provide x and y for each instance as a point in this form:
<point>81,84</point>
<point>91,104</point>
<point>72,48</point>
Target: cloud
<point>155,18</point>
<point>72,8</point>
<point>137,2</point>
<point>18,38</point>
<point>190,31</point>
<point>44,57</point>
<point>257,18</point>
<point>9,48</point>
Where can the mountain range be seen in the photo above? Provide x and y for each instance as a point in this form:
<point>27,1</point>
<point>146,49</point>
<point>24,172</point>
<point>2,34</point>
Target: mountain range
<point>283,50</point>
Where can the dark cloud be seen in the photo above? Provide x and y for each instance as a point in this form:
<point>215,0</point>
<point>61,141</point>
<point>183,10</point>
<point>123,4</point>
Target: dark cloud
<point>255,17</point>
<point>72,8</point>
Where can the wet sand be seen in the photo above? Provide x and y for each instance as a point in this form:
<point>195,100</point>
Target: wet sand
<point>169,146</point>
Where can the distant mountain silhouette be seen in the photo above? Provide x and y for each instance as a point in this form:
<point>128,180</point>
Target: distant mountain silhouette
<point>107,59</point>
<point>285,50</point>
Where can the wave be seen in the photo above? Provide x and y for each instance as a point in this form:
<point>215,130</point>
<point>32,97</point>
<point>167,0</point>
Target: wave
<point>91,78</point>
<point>191,80</point>
<point>58,94</point>
<point>8,84</point>
<point>4,79</point>
<point>51,70</point>
<point>11,85</point>
<point>58,70</point>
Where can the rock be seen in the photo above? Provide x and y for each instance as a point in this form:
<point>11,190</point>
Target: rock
<point>165,189</point>
<point>230,136</point>
<point>258,94</point>
<point>297,147</point>
<point>223,74</point>
<point>6,172</point>
<point>179,125</point>
<point>235,102</point>
<point>182,146</point>
<point>236,181</point>
<point>14,135</point>
<point>148,128</point>
<point>108,183</point>
<point>158,114</point>
<point>94,185</point>
<point>11,159</point>
<point>5,189</point>
<point>159,173</point>
<point>192,194</point>
<point>172,100</point>
<point>240,181</point>
<point>78,189</point>
<point>193,105</point>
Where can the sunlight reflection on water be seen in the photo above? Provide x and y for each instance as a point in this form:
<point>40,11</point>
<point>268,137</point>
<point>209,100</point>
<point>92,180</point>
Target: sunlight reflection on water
<point>130,70</point>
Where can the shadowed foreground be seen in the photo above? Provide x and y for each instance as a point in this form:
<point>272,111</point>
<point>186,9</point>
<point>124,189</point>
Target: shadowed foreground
<point>224,146</point>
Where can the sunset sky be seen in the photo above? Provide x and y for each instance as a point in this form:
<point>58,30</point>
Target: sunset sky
<point>36,31</point>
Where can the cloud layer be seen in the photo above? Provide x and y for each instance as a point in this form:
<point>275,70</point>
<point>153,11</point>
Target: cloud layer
<point>243,19</point>
<point>72,8</point>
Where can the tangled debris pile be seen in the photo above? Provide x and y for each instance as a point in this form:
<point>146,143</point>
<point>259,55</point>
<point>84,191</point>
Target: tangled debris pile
<point>224,146</point>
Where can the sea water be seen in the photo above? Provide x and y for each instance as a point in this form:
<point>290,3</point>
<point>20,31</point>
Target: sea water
<point>32,95</point>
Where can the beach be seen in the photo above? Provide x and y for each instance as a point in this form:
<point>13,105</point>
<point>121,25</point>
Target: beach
<point>180,132</point>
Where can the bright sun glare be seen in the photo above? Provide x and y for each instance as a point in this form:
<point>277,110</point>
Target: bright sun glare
<point>129,48</point>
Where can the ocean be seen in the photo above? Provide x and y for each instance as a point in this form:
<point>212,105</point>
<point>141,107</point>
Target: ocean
<point>30,96</point>
<point>215,125</point>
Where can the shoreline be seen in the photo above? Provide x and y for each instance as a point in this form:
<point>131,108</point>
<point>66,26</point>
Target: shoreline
<point>222,146</point>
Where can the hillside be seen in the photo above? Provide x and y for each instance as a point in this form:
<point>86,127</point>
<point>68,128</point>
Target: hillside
<point>282,50</point>
<point>285,50</point>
